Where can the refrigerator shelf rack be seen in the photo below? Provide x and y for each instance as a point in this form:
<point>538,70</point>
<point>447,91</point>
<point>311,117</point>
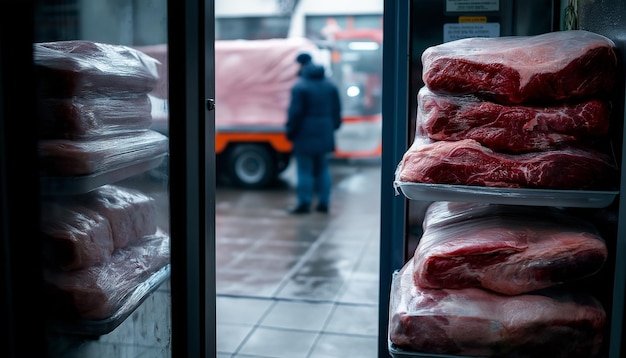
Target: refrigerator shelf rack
<point>512,196</point>
<point>85,183</point>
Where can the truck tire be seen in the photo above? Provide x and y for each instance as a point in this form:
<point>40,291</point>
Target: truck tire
<point>251,166</point>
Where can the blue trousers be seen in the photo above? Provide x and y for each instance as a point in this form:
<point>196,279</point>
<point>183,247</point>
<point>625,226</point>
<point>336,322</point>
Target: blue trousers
<point>313,179</point>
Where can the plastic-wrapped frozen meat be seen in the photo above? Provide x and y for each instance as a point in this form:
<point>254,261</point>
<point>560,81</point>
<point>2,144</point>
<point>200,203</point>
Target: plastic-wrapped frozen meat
<point>506,251</point>
<point>86,68</point>
<point>478,323</point>
<point>554,66</point>
<point>131,213</point>
<point>511,128</point>
<point>61,157</point>
<point>467,162</point>
<point>74,237</point>
<point>99,291</point>
<point>83,118</point>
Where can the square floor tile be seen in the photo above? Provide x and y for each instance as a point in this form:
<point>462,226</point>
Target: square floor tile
<point>230,336</point>
<point>353,319</point>
<point>357,291</point>
<point>311,288</point>
<point>235,310</point>
<point>277,343</point>
<point>338,346</point>
<point>304,316</point>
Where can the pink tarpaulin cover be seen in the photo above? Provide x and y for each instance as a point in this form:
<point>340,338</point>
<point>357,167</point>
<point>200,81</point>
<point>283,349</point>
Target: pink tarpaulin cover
<point>253,79</point>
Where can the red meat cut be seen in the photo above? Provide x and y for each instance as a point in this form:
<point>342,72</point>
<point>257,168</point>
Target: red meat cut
<point>505,251</point>
<point>512,128</point>
<point>467,162</point>
<point>476,322</point>
<point>554,66</point>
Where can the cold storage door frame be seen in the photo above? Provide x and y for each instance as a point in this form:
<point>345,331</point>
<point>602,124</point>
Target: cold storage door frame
<point>396,134</point>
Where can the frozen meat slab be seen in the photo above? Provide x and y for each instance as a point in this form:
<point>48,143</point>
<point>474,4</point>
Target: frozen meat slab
<point>504,250</point>
<point>467,162</point>
<point>97,292</point>
<point>511,128</point>
<point>476,322</point>
<point>554,66</point>
<point>86,68</point>
<point>62,157</point>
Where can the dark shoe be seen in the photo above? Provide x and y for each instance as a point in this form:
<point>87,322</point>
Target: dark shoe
<point>322,208</point>
<point>300,209</point>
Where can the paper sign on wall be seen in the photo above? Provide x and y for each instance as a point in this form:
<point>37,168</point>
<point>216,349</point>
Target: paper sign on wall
<point>472,5</point>
<point>453,32</point>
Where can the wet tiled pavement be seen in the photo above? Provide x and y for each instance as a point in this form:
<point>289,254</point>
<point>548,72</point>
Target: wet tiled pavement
<point>304,285</point>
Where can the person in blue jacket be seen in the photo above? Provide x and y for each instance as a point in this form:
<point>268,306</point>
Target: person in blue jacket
<point>313,116</point>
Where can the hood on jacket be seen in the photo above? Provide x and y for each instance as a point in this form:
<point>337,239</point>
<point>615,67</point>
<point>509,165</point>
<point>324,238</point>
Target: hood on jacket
<point>313,71</point>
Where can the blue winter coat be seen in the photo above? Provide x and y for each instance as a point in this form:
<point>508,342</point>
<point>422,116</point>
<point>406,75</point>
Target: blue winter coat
<point>314,112</point>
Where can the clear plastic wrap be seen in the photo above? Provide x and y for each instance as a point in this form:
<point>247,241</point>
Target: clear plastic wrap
<point>97,292</point>
<point>83,118</point>
<point>86,68</point>
<point>61,157</point>
<point>467,162</point>
<point>74,237</point>
<point>555,66</point>
<point>505,249</point>
<point>131,213</point>
<point>81,231</point>
<point>478,323</point>
<point>511,128</point>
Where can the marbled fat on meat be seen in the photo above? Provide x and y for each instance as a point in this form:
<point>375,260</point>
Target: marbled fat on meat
<point>506,252</point>
<point>555,66</point>
<point>476,322</point>
<point>467,162</point>
<point>511,128</point>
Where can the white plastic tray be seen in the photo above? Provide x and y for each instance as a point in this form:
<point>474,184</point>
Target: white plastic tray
<point>513,196</point>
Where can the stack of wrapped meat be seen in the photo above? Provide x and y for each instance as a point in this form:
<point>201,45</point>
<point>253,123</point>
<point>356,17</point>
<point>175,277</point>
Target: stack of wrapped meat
<point>517,112</point>
<point>495,280</point>
<point>102,242</point>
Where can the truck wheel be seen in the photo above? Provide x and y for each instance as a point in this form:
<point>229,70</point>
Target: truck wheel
<point>251,166</point>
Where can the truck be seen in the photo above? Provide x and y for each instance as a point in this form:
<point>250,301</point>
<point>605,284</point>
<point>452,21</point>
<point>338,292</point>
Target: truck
<point>253,80</point>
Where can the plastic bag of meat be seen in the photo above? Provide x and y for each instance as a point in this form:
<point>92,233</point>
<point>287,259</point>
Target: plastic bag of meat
<point>74,237</point>
<point>131,213</point>
<point>62,157</point>
<point>478,323</point>
<point>84,118</point>
<point>85,68</point>
<point>99,291</point>
<point>555,66</point>
<point>512,128</point>
<point>467,162</point>
<point>82,231</point>
<point>506,251</point>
